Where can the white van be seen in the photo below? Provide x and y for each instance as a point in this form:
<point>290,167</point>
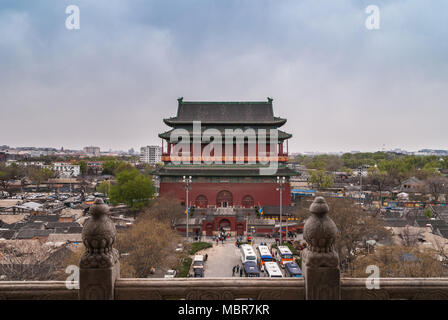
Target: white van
<point>247,253</point>
<point>198,261</point>
<point>272,270</point>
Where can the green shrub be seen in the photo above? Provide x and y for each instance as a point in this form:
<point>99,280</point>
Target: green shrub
<point>198,246</point>
<point>299,262</point>
<point>185,268</point>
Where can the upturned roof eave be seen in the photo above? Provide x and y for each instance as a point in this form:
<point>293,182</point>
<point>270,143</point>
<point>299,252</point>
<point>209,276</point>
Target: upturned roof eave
<point>172,122</point>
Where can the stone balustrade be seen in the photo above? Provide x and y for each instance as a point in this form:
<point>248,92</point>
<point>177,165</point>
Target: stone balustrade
<point>225,288</point>
<point>99,274</point>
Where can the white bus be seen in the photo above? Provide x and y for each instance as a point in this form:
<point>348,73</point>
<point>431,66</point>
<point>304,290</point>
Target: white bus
<point>247,253</point>
<point>272,270</point>
<point>265,254</point>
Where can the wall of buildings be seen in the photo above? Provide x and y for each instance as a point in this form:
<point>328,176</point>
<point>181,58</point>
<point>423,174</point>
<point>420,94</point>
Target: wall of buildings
<point>263,193</point>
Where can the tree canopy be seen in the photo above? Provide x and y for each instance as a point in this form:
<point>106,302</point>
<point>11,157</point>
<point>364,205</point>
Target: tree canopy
<point>133,189</point>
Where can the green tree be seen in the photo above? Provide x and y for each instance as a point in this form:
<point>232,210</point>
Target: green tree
<point>39,175</point>
<point>109,166</point>
<point>104,187</point>
<point>320,179</point>
<point>83,167</point>
<point>133,189</point>
<point>122,166</point>
<point>6,174</point>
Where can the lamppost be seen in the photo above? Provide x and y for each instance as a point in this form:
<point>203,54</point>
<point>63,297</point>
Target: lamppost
<point>360,170</point>
<point>280,186</point>
<point>187,181</point>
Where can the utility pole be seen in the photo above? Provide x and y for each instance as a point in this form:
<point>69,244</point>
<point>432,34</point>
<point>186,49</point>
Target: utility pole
<point>187,181</point>
<point>280,183</point>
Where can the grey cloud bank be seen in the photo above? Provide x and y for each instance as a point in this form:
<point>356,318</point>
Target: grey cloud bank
<point>110,83</point>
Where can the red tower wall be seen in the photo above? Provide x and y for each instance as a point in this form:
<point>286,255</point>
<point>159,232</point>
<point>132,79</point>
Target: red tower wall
<point>263,193</point>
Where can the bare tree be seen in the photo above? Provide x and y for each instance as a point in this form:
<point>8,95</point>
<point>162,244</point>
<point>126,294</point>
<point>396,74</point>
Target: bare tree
<point>355,228</point>
<point>25,260</point>
<point>164,209</point>
<point>437,185</point>
<point>441,247</point>
<point>410,235</point>
<point>380,180</point>
<point>401,261</point>
<point>148,244</point>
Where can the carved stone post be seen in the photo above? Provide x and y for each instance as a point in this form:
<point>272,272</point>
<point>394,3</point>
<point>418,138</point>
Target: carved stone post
<point>99,265</point>
<point>320,261</point>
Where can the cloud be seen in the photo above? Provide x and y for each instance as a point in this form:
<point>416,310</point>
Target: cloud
<point>110,83</point>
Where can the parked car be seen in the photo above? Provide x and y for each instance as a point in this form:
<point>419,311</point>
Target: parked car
<point>170,274</point>
<point>179,248</point>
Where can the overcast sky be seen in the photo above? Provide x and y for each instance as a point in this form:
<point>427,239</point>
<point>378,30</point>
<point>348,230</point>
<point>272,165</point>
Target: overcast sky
<point>110,83</point>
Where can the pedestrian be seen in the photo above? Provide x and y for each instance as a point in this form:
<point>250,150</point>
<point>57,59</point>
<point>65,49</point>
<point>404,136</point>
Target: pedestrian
<point>206,256</point>
<point>241,272</point>
<point>233,271</point>
<point>216,241</point>
<point>222,240</point>
<point>238,268</point>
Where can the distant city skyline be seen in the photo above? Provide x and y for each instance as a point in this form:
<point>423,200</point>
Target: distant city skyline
<point>137,148</point>
<point>341,86</point>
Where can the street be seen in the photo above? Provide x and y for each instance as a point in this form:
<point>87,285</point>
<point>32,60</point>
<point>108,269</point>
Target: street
<point>221,259</point>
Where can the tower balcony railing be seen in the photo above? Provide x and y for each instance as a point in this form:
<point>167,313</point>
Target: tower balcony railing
<point>99,274</point>
<point>233,159</point>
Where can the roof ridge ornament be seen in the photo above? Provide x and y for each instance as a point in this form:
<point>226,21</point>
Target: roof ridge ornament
<point>270,99</point>
<point>180,100</point>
